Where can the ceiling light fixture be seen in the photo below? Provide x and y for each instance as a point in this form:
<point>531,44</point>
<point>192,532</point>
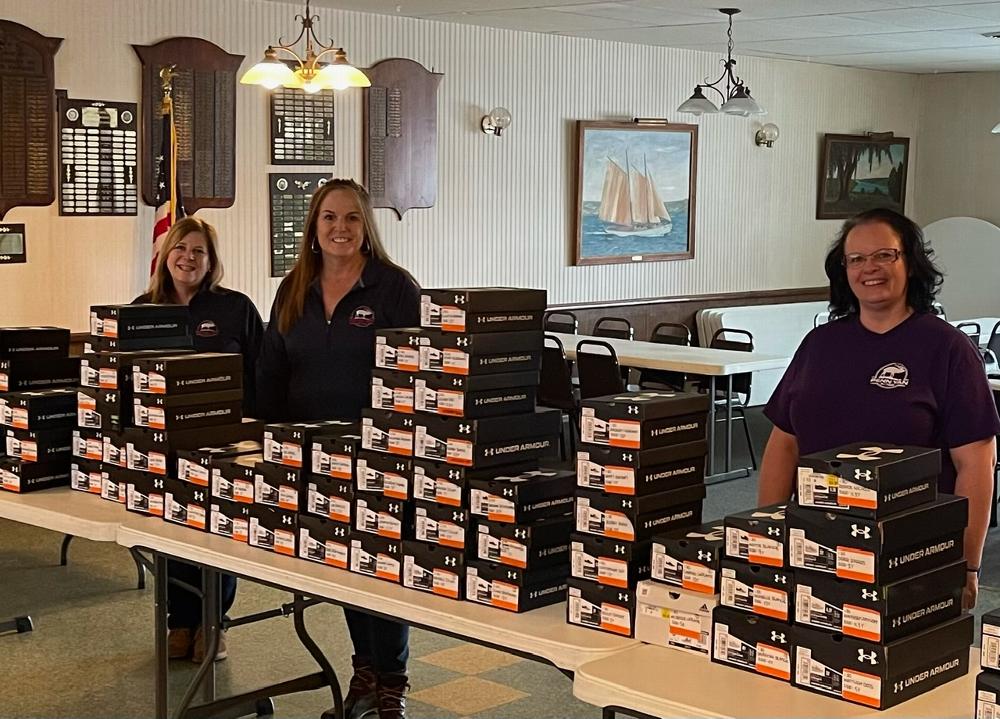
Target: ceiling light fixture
<point>310,75</point>
<point>736,100</point>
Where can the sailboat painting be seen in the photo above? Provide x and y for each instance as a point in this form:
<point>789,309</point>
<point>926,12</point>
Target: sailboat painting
<point>635,192</point>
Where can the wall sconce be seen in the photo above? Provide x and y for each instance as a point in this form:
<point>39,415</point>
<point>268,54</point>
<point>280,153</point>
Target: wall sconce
<point>497,121</point>
<point>766,135</point>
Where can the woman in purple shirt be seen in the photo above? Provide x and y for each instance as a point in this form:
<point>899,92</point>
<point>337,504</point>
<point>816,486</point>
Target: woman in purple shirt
<point>886,369</point>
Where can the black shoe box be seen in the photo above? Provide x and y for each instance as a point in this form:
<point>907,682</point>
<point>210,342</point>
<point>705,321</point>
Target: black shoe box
<point>326,497</point>
<point>377,557</point>
<point>20,374</point>
<point>185,504</point>
<point>879,612</point>
<point>512,588</point>
<point>278,486</point>
<point>384,516</point>
<point>113,370</point>
<point>644,420</point>
<point>439,524</point>
<point>102,345</point>
<point>188,373</point>
<point>324,541</point>
<point>759,589</point>
<point>229,519</point>
<point>523,498</point>
<point>882,675</point>
<point>108,409</point>
<point>487,395</point>
<point>392,390</point>
<point>144,492</point>
<point>398,349</point>
<point>153,450</point>
<point>433,568</point>
<point>114,449</point>
<point>38,342</point>
<point>476,354</point>
<point>388,432</point>
<point>195,465</point>
<point>600,606</point>
<point>990,641</point>
<point>88,444</point>
<point>140,321</point>
<point>543,543</point>
<point>114,484</point>
<point>334,455</point>
<point>987,692</point>
<point>752,642</point>
<point>384,474</point>
<point>235,478</point>
<point>85,475</point>
<point>639,472</point>
<point>690,558</point>
<point>50,445</point>
<point>187,411</point>
<point>447,484</point>
<point>482,309</point>
<point>867,480</point>
<point>488,441</point>
<point>44,409</point>
<point>878,551</point>
<point>18,476</point>
<point>613,562</point>
<point>273,529</point>
<point>757,535</point>
<point>634,519</point>
<point>290,443</point>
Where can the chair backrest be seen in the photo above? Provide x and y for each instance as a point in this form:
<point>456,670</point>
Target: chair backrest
<point>993,344</point>
<point>738,341</point>
<point>555,386</point>
<point>598,371</point>
<point>938,309</point>
<point>972,330</point>
<point>617,328</point>
<point>821,318</point>
<point>671,333</point>
<point>562,321</point>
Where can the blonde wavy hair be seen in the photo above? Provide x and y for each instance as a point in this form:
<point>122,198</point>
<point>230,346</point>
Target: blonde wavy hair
<point>161,284</point>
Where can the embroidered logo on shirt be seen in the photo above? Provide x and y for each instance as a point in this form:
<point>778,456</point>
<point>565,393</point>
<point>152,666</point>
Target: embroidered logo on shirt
<point>207,328</point>
<point>892,376</point>
<point>362,317</point>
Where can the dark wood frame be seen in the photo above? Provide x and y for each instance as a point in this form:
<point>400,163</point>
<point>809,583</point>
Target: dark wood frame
<point>823,211</point>
<point>582,126</point>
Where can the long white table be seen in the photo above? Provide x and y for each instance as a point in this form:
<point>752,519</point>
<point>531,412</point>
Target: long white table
<point>667,683</point>
<point>712,363</point>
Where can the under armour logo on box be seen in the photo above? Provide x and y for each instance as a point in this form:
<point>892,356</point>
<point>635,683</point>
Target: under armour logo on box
<point>869,657</point>
<point>780,579</point>
<point>857,531</point>
<point>713,536</point>
<point>863,474</point>
<point>869,454</point>
<point>873,595</point>
<point>777,516</point>
<point>774,531</point>
<point>778,637</point>
<point>633,409</point>
<point>704,556</point>
<point>462,341</point>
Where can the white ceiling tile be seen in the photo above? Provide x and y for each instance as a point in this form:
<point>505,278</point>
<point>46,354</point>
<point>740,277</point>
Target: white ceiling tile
<point>982,11</point>
<point>633,12</point>
<point>915,19</point>
<point>764,9</point>
<point>534,20</point>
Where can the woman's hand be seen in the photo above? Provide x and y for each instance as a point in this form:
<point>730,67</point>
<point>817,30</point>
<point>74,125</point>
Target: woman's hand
<point>971,591</point>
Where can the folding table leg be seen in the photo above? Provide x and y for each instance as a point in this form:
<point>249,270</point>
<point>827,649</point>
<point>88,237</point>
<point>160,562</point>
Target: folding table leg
<point>64,550</point>
<point>729,423</point>
<point>710,470</point>
<point>160,635</point>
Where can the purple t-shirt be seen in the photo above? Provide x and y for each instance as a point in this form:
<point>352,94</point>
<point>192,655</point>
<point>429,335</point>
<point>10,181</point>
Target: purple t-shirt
<point>921,384</point>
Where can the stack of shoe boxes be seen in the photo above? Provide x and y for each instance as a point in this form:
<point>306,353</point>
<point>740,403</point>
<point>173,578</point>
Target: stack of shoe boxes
<point>988,681</point>
<point>640,472</point>
<point>280,482</point>
<point>228,513</point>
<point>877,554</point>
<point>37,410</point>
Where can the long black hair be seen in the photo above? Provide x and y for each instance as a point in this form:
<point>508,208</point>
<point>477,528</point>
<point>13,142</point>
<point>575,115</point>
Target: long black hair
<point>923,277</point>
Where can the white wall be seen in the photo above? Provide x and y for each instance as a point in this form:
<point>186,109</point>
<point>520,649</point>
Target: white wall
<point>504,209</point>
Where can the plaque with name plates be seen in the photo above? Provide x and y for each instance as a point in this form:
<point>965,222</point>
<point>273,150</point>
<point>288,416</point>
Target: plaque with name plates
<point>27,100</point>
<point>290,193</point>
<point>301,127</point>
<point>97,157</point>
<point>12,246</point>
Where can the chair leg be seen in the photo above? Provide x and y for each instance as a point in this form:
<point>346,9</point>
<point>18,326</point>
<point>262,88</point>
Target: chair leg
<point>746,430</point>
<point>993,504</point>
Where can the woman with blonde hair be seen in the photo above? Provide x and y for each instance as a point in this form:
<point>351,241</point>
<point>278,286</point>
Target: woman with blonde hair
<point>188,271</point>
<point>316,363</point>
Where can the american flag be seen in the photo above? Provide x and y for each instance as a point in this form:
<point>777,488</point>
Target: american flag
<point>169,206</point>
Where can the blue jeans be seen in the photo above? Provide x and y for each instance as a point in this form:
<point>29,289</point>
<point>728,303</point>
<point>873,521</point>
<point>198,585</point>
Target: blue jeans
<point>183,607</point>
<point>385,643</point>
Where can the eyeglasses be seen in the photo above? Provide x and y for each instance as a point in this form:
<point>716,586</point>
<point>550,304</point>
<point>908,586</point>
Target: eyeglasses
<point>883,257</point>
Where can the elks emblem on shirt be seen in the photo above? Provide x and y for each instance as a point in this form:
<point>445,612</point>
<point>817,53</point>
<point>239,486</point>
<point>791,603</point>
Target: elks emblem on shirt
<point>892,376</point>
<point>362,317</point>
<point>207,328</point>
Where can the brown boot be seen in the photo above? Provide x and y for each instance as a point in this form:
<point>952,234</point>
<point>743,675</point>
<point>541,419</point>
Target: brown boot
<point>360,699</point>
<point>198,650</point>
<point>179,643</point>
<point>391,693</point>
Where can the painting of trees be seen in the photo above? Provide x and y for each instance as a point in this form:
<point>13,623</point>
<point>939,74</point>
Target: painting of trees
<point>860,172</point>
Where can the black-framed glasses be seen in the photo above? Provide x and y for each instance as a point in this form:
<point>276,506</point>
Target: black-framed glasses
<point>885,256</point>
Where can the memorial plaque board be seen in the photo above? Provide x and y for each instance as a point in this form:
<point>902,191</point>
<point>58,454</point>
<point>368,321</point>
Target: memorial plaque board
<point>301,127</point>
<point>290,194</point>
<point>27,101</point>
<point>97,157</point>
<point>12,244</point>
<point>204,101</point>
<point>400,126</point>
